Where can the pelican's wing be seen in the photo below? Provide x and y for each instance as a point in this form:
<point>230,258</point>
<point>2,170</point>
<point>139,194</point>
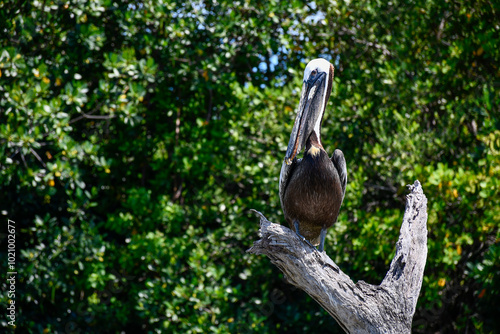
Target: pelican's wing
<point>285,174</point>
<point>339,163</point>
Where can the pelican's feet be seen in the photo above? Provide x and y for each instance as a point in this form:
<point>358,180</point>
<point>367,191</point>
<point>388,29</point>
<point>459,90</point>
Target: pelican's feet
<point>296,224</point>
<point>322,237</point>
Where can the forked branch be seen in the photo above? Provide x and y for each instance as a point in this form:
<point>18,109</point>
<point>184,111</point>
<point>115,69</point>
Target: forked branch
<point>358,307</point>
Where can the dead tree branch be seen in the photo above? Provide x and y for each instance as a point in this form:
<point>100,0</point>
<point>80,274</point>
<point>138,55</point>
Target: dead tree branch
<point>358,307</point>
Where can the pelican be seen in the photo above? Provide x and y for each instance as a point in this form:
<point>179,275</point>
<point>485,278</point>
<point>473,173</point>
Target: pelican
<point>312,188</point>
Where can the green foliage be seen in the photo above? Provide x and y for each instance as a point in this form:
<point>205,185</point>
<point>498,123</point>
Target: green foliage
<point>136,136</point>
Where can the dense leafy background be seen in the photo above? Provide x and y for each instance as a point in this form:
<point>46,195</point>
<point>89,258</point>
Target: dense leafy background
<point>136,135</point>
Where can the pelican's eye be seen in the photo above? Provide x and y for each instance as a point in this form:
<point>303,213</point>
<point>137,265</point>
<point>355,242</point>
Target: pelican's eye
<point>313,73</point>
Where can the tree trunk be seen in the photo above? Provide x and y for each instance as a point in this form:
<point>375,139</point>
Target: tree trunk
<point>358,307</point>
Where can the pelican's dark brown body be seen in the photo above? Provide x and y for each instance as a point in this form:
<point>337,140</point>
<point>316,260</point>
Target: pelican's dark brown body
<point>313,195</point>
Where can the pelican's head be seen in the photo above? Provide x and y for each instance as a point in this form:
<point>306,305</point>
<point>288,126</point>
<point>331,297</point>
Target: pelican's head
<point>316,89</point>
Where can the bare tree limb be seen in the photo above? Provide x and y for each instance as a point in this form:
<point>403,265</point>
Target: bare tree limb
<point>358,307</point>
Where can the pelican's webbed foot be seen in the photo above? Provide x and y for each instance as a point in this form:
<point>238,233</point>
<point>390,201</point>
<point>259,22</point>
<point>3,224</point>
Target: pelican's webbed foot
<point>322,237</point>
<point>296,224</point>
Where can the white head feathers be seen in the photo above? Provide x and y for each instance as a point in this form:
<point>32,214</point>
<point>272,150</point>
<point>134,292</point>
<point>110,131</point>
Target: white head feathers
<point>320,65</point>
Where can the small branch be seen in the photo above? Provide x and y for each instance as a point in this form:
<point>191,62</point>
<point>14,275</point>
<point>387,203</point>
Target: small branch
<point>90,116</point>
<point>38,157</point>
<point>98,116</point>
<point>358,307</point>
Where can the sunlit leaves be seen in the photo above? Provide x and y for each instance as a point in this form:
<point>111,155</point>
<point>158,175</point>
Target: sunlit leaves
<point>137,136</point>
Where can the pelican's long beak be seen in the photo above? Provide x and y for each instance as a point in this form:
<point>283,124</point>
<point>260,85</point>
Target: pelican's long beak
<point>311,107</point>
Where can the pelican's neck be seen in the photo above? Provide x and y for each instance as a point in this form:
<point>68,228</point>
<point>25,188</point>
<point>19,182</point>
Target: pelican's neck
<point>313,144</point>
<point>317,129</point>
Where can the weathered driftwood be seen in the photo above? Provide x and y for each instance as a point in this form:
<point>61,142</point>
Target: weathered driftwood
<point>358,307</point>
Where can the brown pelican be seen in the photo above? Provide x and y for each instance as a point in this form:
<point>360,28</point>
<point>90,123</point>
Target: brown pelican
<point>312,188</point>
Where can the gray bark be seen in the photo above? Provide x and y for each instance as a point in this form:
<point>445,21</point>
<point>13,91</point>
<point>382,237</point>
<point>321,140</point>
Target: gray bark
<point>358,307</point>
